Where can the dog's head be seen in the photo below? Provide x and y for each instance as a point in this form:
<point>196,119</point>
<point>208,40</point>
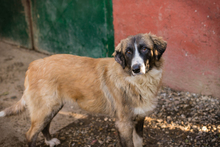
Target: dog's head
<point>139,53</point>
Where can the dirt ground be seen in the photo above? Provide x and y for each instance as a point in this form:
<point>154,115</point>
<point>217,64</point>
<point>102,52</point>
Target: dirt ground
<point>180,119</point>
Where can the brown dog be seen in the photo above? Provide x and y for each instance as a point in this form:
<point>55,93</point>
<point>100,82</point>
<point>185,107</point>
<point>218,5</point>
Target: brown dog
<point>125,89</point>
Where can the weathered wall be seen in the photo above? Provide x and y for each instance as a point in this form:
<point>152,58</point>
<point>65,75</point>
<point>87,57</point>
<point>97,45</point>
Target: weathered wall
<point>192,30</point>
<point>14,26</point>
<point>81,27</point>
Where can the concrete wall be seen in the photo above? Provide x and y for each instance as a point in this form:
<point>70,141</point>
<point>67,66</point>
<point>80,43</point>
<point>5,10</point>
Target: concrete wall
<point>192,30</point>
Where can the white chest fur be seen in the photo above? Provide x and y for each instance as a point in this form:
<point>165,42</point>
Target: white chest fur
<point>147,85</point>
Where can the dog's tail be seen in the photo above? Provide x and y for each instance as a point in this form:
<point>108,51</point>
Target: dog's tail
<point>14,109</point>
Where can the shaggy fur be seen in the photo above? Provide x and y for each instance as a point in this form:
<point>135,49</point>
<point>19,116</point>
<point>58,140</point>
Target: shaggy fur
<point>106,86</point>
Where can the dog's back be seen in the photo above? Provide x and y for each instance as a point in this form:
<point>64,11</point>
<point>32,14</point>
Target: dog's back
<point>64,78</point>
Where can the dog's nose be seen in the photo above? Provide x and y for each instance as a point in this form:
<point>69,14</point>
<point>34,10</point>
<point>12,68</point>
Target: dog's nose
<point>136,68</point>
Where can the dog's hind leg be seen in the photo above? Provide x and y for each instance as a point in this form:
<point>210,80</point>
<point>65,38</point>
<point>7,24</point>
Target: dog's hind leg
<point>48,139</point>
<point>40,121</point>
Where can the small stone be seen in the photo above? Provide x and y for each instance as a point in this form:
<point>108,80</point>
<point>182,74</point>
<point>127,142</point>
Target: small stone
<point>100,141</point>
<point>204,128</point>
<point>5,93</point>
<point>168,118</point>
<point>13,97</point>
<point>62,138</point>
<point>213,140</point>
<point>93,142</point>
<point>183,116</point>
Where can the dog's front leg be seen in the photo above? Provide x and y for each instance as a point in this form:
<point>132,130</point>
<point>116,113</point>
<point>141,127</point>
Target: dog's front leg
<point>138,133</point>
<point>125,131</point>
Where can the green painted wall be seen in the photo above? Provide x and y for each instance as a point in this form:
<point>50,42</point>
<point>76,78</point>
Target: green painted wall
<point>82,27</point>
<point>13,24</point>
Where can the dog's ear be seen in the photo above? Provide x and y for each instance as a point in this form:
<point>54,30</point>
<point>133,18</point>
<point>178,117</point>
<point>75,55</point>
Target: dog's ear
<point>159,46</point>
<point>119,57</point>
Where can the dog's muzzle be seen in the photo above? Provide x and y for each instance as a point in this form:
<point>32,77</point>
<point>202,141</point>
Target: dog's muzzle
<point>138,69</point>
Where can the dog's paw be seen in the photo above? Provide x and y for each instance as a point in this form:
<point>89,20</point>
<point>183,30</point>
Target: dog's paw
<point>52,142</point>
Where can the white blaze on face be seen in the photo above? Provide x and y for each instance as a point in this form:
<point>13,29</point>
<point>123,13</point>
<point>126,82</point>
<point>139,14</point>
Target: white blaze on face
<point>137,59</point>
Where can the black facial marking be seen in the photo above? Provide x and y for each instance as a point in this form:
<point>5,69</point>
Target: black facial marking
<point>119,57</point>
<point>159,46</point>
<point>129,53</point>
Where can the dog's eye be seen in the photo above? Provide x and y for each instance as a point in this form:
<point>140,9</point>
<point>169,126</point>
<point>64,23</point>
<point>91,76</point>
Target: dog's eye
<point>144,49</point>
<point>129,52</point>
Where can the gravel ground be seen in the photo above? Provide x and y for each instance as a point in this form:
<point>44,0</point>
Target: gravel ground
<point>181,119</point>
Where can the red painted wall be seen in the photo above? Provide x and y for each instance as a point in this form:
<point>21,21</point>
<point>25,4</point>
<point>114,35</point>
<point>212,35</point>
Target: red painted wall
<point>192,30</point>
